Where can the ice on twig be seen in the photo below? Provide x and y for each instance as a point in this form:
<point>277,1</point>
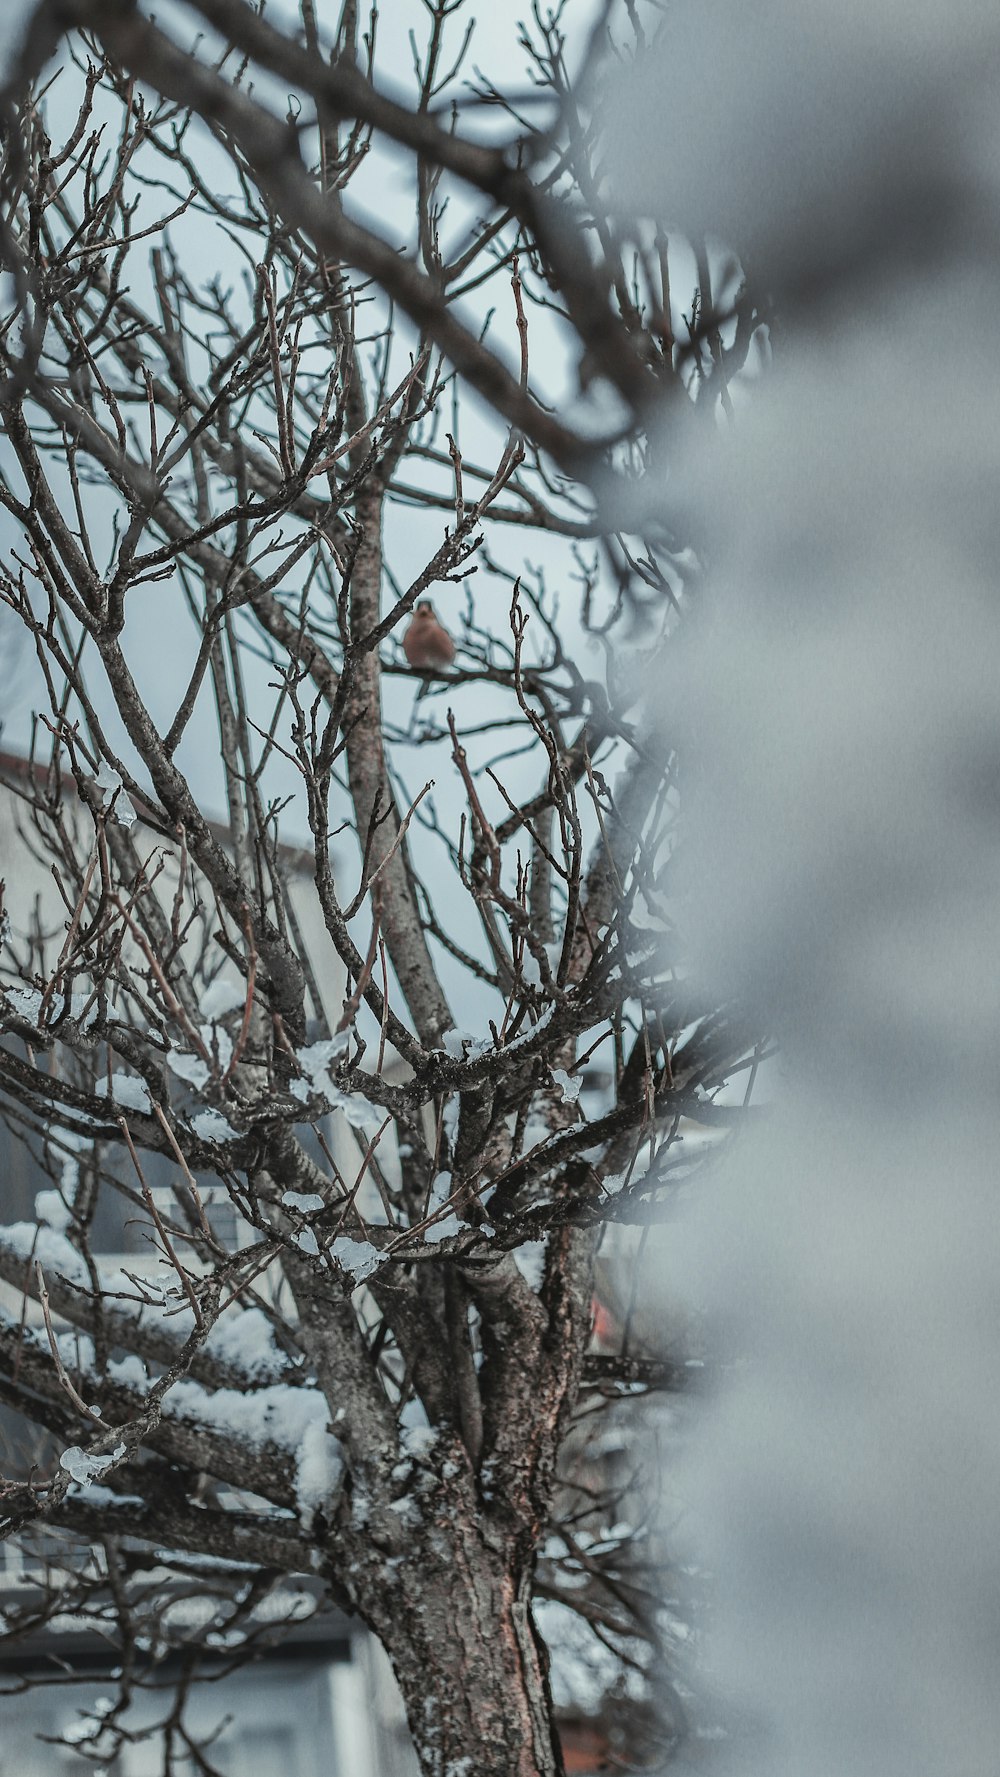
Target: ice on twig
<point>120,806</point>
<point>568,1084</point>
<point>82,1467</point>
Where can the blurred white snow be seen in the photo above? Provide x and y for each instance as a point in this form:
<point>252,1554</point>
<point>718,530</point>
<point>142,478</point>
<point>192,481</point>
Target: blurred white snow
<point>838,702</point>
<point>16,14</point>
<point>819,139</point>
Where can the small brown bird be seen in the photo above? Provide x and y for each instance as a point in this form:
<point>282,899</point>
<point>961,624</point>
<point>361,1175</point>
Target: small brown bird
<point>427,644</point>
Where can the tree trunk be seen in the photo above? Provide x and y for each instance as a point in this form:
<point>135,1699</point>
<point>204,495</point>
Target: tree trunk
<point>471,1668</point>
<point>437,1551</point>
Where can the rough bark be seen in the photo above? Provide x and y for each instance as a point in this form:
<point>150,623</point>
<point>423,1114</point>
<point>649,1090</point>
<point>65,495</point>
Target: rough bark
<point>468,1659</point>
<point>456,1617</point>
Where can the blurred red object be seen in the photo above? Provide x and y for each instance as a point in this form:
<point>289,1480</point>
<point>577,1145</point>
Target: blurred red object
<point>604,1328</point>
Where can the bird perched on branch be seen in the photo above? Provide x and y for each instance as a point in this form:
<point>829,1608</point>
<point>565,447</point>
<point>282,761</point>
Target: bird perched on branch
<point>427,644</point>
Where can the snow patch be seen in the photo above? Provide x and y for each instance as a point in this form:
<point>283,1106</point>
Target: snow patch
<point>444,1229</point>
<point>53,1251</point>
<point>318,1468</point>
<point>526,1035</point>
<point>245,1339</point>
<point>530,1261</point>
<point>315,1061</point>
<point>302,1200</point>
<point>128,1091</point>
<point>211,1125</point>
<point>221,997</point>
<point>440,1192</point>
<point>130,1371</point>
<point>295,1419</point>
<point>188,1067</point>
<point>27,1003</point>
<point>357,1257</point>
<point>219,1044</point>
<point>463,1047</point>
<point>584,1669</point>
<point>91,1493</point>
<point>50,1209</point>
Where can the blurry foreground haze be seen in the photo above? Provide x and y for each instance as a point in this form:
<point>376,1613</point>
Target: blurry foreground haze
<point>840,707</point>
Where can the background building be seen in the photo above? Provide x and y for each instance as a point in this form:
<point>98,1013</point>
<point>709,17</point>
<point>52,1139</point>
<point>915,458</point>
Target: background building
<point>323,1701</point>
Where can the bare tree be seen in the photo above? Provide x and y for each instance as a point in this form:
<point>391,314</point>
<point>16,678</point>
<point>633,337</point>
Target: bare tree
<point>234,400</point>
